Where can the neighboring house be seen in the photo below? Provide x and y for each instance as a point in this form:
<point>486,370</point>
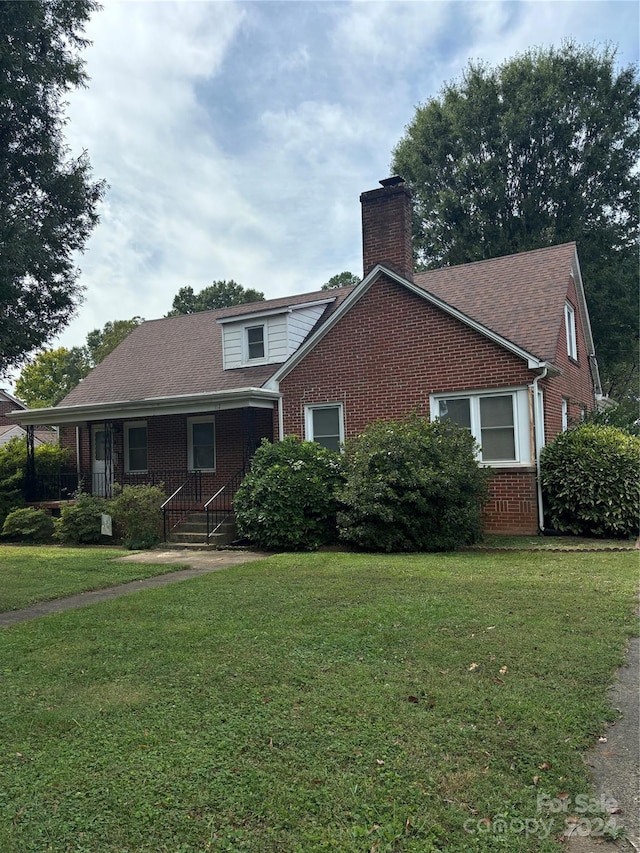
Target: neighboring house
<point>9,428</point>
<point>502,347</point>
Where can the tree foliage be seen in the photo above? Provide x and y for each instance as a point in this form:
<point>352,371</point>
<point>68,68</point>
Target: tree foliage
<point>48,201</point>
<point>100,342</point>
<point>341,279</point>
<point>219,294</point>
<point>541,150</point>
<point>49,376</point>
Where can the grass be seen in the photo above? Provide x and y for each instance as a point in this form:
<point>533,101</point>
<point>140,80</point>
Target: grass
<point>29,574</point>
<point>554,543</point>
<point>323,702</point>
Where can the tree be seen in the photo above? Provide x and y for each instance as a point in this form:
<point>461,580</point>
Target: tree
<point>342,279</point>
<point>220,294</point>
<point>100,342</point>
<point>541,150</point>
<point>48,200</point>
<point>52,373</point>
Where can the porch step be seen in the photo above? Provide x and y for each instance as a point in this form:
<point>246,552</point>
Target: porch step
<point>192,530</point>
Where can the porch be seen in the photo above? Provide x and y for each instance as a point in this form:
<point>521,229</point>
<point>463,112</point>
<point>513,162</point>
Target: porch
<point>198,460</point>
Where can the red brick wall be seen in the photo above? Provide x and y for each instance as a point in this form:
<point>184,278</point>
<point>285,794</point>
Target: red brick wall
<point>575,383</point>
<point>5,407</point>
<point>512,505</point>
<point>167,448</point>
<point>388,369</point>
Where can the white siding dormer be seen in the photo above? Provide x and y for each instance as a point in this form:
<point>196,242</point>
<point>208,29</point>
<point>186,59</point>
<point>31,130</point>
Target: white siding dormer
<point>268,337</point>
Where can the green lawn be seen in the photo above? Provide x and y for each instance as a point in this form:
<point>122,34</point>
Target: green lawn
<point>29,574</point>
<point>323,702</point>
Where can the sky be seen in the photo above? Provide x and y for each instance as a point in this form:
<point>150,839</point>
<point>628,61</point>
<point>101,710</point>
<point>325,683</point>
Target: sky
<point>236,137</point>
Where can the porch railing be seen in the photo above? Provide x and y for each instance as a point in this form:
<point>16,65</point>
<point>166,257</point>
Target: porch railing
<point>53,487</point>
<point>64,486</point>
<point>219,507</point>
<point>181,502</point>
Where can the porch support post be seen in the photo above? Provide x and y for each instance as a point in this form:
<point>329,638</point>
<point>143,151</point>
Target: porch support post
<point>30,484</point>
<point>108,459</point>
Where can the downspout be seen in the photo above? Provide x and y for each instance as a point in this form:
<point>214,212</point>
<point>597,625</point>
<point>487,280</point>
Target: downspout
<point>538,431</point>
<point>280,419</point>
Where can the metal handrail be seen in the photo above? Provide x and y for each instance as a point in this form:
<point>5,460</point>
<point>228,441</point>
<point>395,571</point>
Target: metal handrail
<point>193,476</point>
<point>169,499</point>
<point>231,482</point>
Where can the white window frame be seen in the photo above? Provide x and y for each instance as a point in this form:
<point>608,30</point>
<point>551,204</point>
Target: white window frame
<point>245,343</point>
<point>129,425</point>
<point>200,419</point>
<point>570,328</point>
<point>308,420</point>
<point>565,414</point>
<point>521,417</point>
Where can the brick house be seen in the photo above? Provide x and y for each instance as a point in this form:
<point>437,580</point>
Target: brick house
<point>502,346</point>
<point>10,428</point>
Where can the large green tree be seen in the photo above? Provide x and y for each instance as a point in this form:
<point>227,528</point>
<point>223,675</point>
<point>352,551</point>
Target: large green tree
<point>219,294</point>
<point>49,376</point>
<point>48,201</point>
<point>541,150</point>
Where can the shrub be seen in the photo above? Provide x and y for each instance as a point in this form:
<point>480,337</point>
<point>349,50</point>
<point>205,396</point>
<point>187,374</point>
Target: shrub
<point>49,459</point>
<point>589,476</point>
<point>286,501</point>
<point>412,485</point>
<point>81,522</point>
<point>28,525</point>
<point>136,513</point>
<point>13,464</point>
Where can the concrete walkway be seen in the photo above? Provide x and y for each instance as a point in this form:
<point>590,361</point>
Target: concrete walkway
<point>199,562</point>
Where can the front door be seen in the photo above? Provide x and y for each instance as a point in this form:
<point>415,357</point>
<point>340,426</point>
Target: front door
<point>101,460</point>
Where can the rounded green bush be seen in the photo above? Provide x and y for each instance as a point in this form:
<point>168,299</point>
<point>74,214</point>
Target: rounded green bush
<point>287,500</point>
<point>137,514</point>
<point>412,485</point>
<point>590,481</point>
<point>28,525</point>
<point>81,522</point>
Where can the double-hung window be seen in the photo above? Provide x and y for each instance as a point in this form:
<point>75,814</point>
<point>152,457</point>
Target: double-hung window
<point>255,342</point>
<point>135,446</point>
<point>324,424</point>
<point>497,421</point>
<point>570,328</point>
<point>202,444</point>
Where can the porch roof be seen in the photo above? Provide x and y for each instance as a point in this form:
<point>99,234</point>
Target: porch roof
<point>215,401</point>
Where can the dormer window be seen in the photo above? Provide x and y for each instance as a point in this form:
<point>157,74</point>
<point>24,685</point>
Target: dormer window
<point>255,342</point>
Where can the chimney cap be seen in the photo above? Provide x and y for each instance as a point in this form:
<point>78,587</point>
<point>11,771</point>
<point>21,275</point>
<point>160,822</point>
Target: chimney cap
<point>393,181</point>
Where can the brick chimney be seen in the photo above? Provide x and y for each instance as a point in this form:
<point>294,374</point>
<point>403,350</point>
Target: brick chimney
<point>386,227</point>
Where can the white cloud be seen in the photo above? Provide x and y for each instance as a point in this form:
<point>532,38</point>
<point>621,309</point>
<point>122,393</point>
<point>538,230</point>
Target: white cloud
<point>237,137</point>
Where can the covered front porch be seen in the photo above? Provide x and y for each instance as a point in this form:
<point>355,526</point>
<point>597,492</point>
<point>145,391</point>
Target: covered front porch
<point>196,451</point>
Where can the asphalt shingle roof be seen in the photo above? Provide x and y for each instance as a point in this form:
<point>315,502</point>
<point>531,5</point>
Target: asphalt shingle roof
<point>520,297</point>
<point>181,355</point>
